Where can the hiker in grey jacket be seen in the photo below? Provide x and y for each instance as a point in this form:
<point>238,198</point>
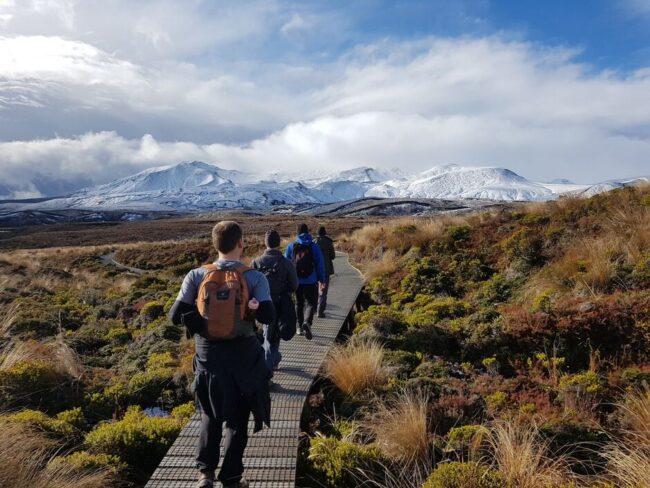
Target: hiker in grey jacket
<point>283,281</point>
<point>326,245</point>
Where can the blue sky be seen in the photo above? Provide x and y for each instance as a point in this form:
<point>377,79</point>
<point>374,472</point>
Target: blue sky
<point>550,89</point>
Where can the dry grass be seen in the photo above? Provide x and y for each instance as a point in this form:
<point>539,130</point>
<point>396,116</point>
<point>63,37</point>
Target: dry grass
<point>629,466</point>
<point>24,456</point>
<point>58,353</point>
<point>400,426</point>
<point>8,315</point>
<point>521,456</point>
<point>371,241</point>
<point>385,265</point>
<point>636,417</point>
<point>356,366</point>
<point>629,459</point>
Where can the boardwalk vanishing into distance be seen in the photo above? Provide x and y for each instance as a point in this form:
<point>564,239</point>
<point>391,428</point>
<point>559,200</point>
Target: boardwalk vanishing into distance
<point>271,455</point>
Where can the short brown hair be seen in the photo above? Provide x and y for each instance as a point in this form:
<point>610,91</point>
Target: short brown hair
<point>225,236</point>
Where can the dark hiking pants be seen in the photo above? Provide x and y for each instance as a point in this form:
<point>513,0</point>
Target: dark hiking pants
<point>306,297</point>
<point>322,299</point>
<point>235,434</point>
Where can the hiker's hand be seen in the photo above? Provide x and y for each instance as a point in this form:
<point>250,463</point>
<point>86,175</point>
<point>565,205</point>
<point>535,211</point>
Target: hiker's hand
<point>253,304</point>
<point>323,286</point>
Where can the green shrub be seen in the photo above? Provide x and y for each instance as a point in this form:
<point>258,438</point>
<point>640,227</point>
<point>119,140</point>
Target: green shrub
<point>458,233</point>
<point>427,310</point>
<point>35,384</point>
<point>152,310</point>
<point>635,377</point>
<point>54,427</point>
<point>431,369</point>
<point>386,319</point>
<point>524,247</point>
<point>463,437</point>
<point>120,335</point>
<point>85,461</point>
<point>138,440</point>
<point>184,412</point>
<point>338,461</point>
<point>401,363</point>
<point>497,401</point>
<point>426,277</point>
<point>464,475</point>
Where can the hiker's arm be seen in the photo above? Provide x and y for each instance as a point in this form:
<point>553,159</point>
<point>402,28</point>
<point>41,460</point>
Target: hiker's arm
<point>332,251</point>
<point>320,264</point>
<point>265,313</point>
<point>287,251</point>
<point>186,299</point>
<point>178,309</point>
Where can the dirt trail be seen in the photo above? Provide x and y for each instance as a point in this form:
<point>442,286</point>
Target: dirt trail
<point>109,260</point>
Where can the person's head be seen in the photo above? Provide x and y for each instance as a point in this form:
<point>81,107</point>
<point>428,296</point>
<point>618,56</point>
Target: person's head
<point>272,239</point>
<point>303,229</point>
<point>321,231</point>
<point>227,237</point>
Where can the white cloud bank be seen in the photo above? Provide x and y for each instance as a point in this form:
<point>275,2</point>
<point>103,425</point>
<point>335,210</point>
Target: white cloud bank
<point>473,101</point>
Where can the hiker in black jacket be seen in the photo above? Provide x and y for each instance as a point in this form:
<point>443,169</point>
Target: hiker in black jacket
<point>326,245</point>
<point>231,378</point>
<point>283,281</point>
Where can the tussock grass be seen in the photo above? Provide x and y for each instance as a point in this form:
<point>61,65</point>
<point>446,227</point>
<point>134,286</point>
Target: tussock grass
<point>371,242</point>
<point>24,458</point>
<point>629,459</point>
<point>629,466</point>
<point>399,425</point>
<point>635,411</point>
<point>356,366</point>
<point>522,457</point>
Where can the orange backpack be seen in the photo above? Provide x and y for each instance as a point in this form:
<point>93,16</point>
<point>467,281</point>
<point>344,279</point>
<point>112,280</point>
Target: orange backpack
<point>223,302</point>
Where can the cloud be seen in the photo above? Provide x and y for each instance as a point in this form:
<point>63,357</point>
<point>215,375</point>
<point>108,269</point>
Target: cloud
<point>636,7</point>
<point>295,23</point>
<point>83,101</point>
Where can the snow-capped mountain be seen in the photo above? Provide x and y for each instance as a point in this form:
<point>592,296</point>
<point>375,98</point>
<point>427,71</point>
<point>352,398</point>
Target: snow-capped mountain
<point>201,186</point>
<point>453,182</point>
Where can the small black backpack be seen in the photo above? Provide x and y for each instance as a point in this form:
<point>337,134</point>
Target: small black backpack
<point>303,258</point>
<point>277,285</point>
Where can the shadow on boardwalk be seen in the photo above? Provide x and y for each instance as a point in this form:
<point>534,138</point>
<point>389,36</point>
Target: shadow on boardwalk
<point>272,454</point>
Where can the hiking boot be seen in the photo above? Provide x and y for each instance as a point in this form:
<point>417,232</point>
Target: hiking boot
<point>242,483</point>
<point>307,330</point>
<point>321,315</point>
<point>299,331</point>
<point>206,480</point>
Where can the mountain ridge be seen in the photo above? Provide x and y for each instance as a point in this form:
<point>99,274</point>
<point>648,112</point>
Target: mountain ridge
<point>197,186</point>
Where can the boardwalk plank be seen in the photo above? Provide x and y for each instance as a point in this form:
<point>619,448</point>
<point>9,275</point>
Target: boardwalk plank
<point>271,455</point>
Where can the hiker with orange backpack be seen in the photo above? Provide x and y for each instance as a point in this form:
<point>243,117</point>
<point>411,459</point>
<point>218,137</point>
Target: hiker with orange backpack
<point>218,304</point>
<point>308,259</point>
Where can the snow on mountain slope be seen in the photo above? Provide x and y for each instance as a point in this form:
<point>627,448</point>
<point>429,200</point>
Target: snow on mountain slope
<point>452,182</point>
<point>605,186</point>
<point>201,186</point>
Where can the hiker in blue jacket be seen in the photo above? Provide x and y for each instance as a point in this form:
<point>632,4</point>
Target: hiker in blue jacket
<point>310,266</point>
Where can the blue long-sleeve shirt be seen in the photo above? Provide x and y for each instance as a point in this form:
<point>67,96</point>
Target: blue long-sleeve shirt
<point>318,275</point>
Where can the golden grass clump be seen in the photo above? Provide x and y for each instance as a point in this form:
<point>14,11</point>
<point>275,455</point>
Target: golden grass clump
<point>24,458</point>
<point>521,455</point>
<point>629,459</point>
<point>356,366</point>
<point>399,426</point>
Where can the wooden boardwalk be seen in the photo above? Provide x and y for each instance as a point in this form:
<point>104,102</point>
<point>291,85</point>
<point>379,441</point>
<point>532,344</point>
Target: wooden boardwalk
<point>271,454</point>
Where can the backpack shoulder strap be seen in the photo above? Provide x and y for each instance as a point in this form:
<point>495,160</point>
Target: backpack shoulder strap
<point>242,268</point>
